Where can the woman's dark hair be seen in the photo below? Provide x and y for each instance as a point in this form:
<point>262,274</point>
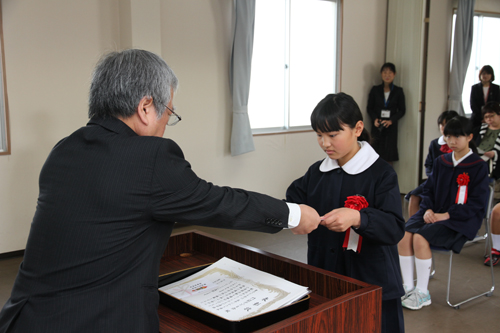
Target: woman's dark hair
<point>388,65</point>
<point>336,110</point>
<point>460,126</point>
<point>445,116</point>
<point>491,107</point>
<point>488,70</point>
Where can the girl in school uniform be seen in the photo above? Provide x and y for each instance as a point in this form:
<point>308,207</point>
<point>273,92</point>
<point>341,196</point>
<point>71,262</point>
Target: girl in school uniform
<point>437,148</point>
<point>357,195</point>
<point>451,212</point>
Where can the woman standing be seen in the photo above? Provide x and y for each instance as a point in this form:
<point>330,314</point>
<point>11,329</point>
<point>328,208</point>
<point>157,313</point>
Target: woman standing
<point>483,92</point>
<point>386,105</point>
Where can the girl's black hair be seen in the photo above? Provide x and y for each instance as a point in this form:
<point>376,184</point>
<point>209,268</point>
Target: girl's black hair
<point>388,65</point>
<point>460,126</point>
<point>445,116</point>
<point>491,107</point>
<point>336,110</point>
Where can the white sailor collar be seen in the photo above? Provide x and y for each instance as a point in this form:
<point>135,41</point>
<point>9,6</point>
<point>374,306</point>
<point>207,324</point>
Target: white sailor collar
<point>455,162</point>
<point>363,159</point>
<point>441,140</point>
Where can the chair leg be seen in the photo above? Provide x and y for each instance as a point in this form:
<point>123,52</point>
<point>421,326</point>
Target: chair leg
<point>486,293</point>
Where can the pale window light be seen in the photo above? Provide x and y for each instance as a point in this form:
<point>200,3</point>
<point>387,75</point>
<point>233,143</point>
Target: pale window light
<point>294,62</point>
<point>485,51</point>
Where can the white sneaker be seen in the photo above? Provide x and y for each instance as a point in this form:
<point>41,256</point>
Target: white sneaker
<point>416,300</point>
<point>408,290</point>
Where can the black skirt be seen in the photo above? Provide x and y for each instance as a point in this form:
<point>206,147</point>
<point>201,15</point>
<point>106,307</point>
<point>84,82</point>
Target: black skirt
<point>438,235</point>
<point>385,142</point>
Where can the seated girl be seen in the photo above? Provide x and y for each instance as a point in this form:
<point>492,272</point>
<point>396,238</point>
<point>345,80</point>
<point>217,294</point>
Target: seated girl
<point>437,148</point>
<point>451,212</point>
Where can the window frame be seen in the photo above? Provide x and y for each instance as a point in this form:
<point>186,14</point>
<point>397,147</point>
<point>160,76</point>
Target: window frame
<point>466,88</point>
<point>286,110</point>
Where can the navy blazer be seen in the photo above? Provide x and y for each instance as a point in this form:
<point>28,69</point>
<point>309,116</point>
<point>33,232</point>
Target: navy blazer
<point>440,193</point>
<point>108,201</point>
<point>477,101</point>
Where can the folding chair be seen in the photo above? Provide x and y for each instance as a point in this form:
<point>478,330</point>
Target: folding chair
<point>486,236</point>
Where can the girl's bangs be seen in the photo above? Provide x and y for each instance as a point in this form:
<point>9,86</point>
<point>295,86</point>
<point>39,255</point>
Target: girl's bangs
<point>454,128</point>
<point>325,119</point>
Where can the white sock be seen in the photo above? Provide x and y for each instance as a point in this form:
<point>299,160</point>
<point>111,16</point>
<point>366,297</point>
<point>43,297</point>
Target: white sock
<point>407,264</point>
<point>495,241</point>
<point>423,267</point>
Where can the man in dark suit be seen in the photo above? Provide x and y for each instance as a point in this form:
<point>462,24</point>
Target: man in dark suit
<point>109,196</point>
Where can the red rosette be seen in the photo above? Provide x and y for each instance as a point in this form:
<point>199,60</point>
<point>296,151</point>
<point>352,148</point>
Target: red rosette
<point>463,179</point>
<point>357,202</point>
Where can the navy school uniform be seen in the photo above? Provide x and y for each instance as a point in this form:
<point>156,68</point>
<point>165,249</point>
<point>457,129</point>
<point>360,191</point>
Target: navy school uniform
<point>434,152</point>
<point>440,192</point>
<point>325,187</point>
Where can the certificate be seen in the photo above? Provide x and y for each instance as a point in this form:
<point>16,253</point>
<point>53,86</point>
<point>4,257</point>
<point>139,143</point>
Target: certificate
<point>235,291</point>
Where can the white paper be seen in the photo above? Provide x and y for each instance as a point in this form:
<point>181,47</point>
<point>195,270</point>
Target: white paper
<point>235,291</point>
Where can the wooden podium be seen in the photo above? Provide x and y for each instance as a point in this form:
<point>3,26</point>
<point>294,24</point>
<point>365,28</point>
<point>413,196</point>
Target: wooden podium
<point>337,304</point>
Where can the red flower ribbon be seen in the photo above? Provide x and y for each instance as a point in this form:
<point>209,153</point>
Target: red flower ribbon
<point>463,182</point>
<point>352,241</point>
<point>445,149</point>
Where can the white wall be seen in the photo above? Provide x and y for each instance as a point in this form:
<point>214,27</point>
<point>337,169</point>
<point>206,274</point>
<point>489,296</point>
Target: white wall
<point>50,50</point>
<point>50,54</point>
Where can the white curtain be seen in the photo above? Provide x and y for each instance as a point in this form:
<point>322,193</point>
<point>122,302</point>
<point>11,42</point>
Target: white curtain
<point>461,53</point>
<point>241,61</point>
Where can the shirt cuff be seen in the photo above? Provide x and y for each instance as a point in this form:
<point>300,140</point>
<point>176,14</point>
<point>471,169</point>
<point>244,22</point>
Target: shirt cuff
<point>294,215</point>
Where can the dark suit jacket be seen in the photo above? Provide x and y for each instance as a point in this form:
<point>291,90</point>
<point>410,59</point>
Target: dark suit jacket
<point>385,141</point>
<point>396,103</point>
<point>108,201</point>
<point>477,101</point>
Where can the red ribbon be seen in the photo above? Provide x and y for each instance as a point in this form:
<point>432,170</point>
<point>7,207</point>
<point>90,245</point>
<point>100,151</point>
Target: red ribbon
<point>445,149</point>
<point>356,202</point>
<point>463,182</point>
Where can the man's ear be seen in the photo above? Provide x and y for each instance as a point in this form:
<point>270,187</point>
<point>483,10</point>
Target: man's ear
<point>145,109</point>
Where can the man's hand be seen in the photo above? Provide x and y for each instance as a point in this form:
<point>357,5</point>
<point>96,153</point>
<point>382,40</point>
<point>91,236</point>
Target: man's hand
<point>309,220</point>
<point>341,219</point>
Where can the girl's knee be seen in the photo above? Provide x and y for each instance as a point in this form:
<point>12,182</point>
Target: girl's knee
<point>420,242</point>
<point>405,246</point>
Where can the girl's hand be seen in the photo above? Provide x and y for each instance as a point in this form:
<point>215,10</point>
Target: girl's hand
<point>489,154</point>
<point>429,216</point>
<point>341,219</point>
<point>442,216</point>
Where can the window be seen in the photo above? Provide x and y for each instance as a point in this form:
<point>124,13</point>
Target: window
<point>485,51</point>
<point>294,62</point>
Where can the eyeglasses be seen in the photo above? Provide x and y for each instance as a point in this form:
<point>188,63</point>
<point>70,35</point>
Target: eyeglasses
<point>174,118</point>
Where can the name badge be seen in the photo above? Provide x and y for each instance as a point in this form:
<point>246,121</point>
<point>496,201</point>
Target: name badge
<point>385,114</point>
